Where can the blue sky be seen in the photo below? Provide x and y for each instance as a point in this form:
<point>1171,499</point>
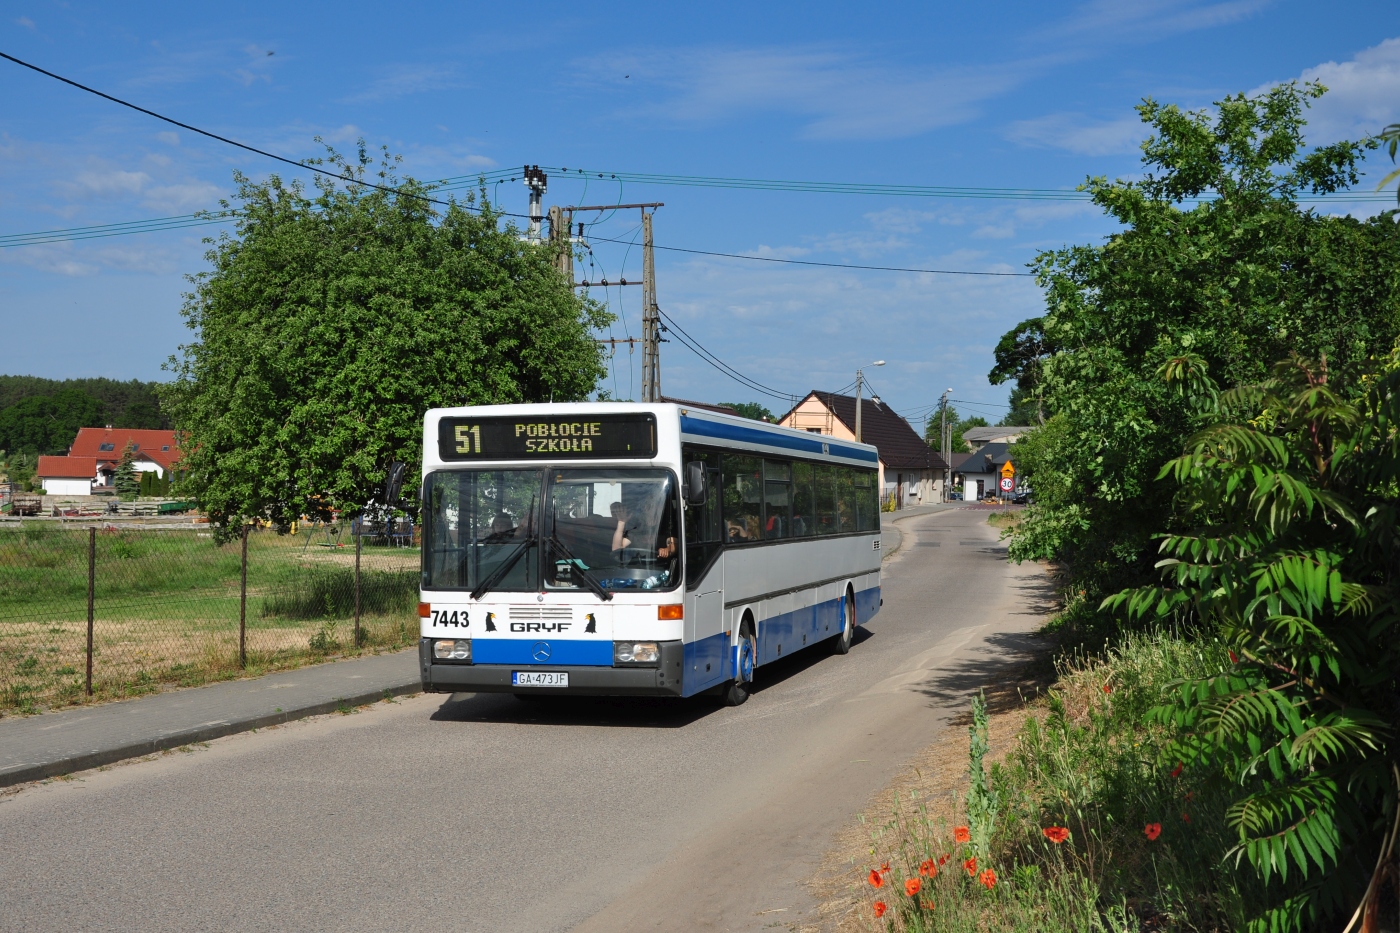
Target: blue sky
<point>1023,95</point>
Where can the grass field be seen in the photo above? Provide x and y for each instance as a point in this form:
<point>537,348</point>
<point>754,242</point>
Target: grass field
<point>166,608</point>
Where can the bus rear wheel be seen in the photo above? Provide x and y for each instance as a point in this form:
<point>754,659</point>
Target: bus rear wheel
<point>841,644</point>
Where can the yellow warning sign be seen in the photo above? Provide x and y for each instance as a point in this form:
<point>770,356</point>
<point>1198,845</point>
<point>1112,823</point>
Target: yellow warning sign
<point>1007,469</point>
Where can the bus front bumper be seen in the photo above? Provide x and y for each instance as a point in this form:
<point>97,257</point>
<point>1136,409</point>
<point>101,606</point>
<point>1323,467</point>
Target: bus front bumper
<point>661,680</point>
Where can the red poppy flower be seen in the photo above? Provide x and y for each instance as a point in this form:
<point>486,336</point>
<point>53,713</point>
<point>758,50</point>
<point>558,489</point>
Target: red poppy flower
<point>1056,834</point>
<point>943,860</point>
<point>1152,831</point>
<point>960,834</point>
<point>1186,817</point>
<point>1176,772</point>
<point>880,908</point>
<point>875,879</point>
<point>988,879</point>
<point>971,865</point>
<point>1107,688</point>
<point>926,904</point>
<point>912,886</point>
<point>885,868</point>
<point>927,868</point>
<point>1234,658</point>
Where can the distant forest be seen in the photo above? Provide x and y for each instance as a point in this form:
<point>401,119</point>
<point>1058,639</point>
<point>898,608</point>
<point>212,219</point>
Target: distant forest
<point>42,416</point>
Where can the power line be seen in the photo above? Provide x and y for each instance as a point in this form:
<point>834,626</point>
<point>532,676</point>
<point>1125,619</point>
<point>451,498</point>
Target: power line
<point>698,349</point>
<point>887,190</point>
<point>233,142</point>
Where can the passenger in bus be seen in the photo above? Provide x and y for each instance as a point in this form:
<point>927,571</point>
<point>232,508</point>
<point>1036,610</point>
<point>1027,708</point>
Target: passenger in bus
<point>622,515</point>
<point>737,533</point>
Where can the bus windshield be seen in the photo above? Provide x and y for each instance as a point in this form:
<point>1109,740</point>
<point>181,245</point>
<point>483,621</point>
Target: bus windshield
<point>618,526</point>
<point>599,529</point>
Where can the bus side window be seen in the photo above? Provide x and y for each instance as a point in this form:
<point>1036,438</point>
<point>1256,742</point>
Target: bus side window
<point>804,503</point>
<point>743,499</point>
<point>777,499</point>
<point>846,498</point>
<point>826,498</point>
<point>867,502</point>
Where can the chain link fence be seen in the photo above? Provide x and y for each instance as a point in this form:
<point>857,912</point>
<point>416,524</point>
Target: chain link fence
<point>112,610</point>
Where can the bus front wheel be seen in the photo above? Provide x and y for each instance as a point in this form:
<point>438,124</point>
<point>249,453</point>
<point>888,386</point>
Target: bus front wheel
<point>737,690</point>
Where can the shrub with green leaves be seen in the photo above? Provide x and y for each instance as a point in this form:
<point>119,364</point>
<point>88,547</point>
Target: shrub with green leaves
<point>1290,551</point>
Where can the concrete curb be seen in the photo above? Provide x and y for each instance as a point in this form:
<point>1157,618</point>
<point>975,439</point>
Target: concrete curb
<point>203,733</point>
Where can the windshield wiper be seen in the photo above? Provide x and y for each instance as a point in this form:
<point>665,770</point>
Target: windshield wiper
<point>588,579</point>
<point>503,568</point>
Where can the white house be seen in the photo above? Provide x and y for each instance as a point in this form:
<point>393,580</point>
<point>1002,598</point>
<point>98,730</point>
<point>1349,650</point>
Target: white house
<point>67,476</point>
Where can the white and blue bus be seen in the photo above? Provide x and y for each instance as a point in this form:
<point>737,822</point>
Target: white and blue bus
<point>636,549</point>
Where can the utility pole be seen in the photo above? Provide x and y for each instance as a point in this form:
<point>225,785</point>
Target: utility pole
<point>651,319</point>
<point>860,381</point>
<point>537,181</point>
<point>943,444</point>
<point>559,239</point>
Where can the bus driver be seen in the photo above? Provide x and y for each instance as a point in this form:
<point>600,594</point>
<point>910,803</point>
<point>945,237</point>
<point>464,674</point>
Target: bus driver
<point>622,514</point>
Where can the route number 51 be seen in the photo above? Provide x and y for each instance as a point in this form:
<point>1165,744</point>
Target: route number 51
<point>465,437</point>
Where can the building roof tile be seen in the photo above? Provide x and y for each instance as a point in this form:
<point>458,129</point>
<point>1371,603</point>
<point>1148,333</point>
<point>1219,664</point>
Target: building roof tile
<point>67,468</point>
<point>899,445</point>
<point>107,444</point>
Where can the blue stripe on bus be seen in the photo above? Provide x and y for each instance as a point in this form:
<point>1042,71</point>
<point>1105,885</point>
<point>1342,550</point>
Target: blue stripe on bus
<point>723,430</point>
<point>817,622</point>
<point>572,652</point>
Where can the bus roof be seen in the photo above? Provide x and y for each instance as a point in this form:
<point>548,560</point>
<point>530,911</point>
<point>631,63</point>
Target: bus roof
<point>697,426</point>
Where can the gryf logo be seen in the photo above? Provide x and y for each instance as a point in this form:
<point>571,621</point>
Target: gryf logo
<point>540,626</point>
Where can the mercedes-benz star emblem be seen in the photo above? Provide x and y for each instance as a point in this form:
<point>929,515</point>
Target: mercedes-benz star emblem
<point>541,651</point>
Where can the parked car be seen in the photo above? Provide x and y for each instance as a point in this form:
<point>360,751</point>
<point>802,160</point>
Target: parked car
<point>1022,497</point>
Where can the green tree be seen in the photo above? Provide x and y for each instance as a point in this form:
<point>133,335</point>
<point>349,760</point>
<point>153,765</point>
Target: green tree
<point>332,320</point>
<point>47,424</point>
<point>1216,258</point>
<point>957,445</point>
<point>1288,548</point>
<point>131,404</point>
<point>751,410</point>
<point>127,480</point>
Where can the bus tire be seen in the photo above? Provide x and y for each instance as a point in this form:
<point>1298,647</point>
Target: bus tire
<point>841,644</point>
<point>738,689</point>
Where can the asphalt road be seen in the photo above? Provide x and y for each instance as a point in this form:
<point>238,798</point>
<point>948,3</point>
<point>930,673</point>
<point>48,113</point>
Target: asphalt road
<point>486,813</point>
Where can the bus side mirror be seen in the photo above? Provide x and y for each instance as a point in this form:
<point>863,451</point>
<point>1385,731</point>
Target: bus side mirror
<point>695,492</point>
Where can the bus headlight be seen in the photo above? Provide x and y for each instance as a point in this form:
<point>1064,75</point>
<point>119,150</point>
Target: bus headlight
<point>636,652</point>
<point>453,649</point>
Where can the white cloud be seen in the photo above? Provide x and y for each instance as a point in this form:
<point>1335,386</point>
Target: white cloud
<point>170,138</point>
<point>26,22</point>
<point>106,183</point>
<point>841,95</point>
<point>1078,133</point>
<point>1363,94</point>
<point>182,198</point>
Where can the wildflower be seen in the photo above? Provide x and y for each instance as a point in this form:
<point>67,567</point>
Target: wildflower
<point>912,886</point>
<point>885,868</point>
<point>1056,834</point>
<point>971,866</point>
<point>926,904</point>
<point>1176,772</point>
<point>960,834</point>
<point>988,879</point>
<point>875,878</point>
<point>927,868</point>
<point>943,860</point>
<point>1152,831</point>
<point>1186,817</point>
<point>1107,688</point>
<point>1234,658</point>
<point>880,908</point>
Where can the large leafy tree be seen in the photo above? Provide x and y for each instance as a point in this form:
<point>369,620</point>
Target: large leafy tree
<point>332,320</point>
<point>1215,258</point>
<point>47,424</point>
<point>1288,548</point>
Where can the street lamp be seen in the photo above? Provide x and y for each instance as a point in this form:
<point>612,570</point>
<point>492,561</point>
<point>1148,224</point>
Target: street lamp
<point>944,442</point>
<point>860,380</point>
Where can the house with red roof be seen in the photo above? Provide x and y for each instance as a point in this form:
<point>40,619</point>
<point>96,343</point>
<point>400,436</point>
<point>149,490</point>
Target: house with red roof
<point>67,476</point>
<point>99,450</point>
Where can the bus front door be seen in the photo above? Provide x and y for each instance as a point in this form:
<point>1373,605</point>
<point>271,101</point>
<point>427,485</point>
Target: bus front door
<point>706,644</point>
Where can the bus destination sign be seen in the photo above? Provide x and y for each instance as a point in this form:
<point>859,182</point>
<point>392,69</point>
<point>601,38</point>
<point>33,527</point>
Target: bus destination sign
<point>548,437</point>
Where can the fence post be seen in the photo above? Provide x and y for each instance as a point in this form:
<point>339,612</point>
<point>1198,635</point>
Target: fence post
<point>358,538</point>
<point>92,581</point>
<point>243,604</point>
